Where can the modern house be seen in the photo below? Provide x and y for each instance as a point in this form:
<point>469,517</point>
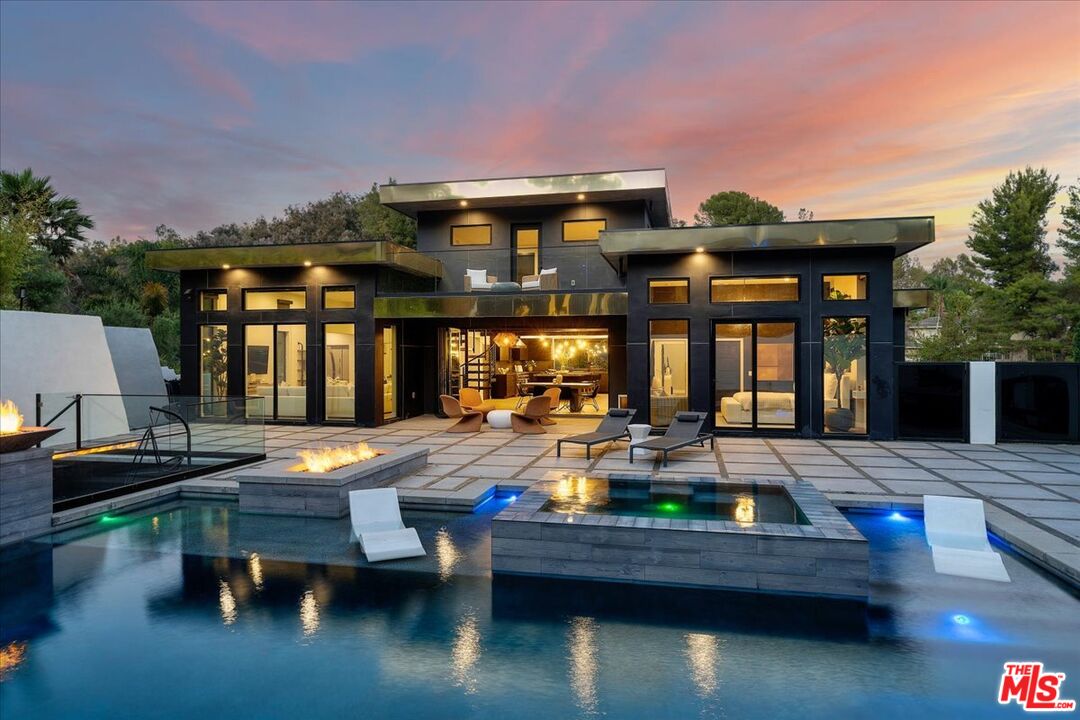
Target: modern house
<point>575,281</point>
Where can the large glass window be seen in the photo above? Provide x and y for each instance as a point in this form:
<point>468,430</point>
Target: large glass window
<point>213,300</point>
<point>754,289</point>
<point>669,292</point>
<point>390,376</point>
<point>470,235</point>
<point>526,252</point>
<point>339,342</point>
<point>844,350</point>
<point>669,369</point>
<point>843,287</point>
<point>293,299</point>
<point>582,230</point>
<point>754,380</point>
<point>339,298</point>
<point>275,364</point>
<point>213,361</point>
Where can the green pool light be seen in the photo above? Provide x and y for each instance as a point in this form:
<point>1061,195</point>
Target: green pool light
<point>669,507</point>
<point>107,519</point>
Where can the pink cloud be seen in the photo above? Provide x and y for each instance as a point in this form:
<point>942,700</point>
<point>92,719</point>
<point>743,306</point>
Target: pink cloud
<point>213,79</point>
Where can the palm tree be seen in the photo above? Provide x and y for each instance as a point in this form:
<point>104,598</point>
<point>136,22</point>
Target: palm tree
<point>57,220</point>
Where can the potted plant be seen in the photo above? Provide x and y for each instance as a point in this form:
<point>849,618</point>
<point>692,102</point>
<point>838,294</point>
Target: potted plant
<point>844,341</point>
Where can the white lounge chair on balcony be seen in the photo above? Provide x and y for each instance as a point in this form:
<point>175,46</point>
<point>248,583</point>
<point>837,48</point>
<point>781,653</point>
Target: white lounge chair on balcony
<point>376,522</point>
<point>479,280</point>
<point>548,279</point>
<point>956,531</point>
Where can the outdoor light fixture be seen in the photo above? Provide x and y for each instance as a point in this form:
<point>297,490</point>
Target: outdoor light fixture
<point>464,203</point>
<point>581,196</point>
<point>699,249</point>
<point>307,263</point>
<point>226,266</point>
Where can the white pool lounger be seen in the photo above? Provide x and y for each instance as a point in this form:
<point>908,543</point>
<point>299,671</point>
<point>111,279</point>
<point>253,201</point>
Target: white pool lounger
<point>376,522</point>
<point>956,531</point>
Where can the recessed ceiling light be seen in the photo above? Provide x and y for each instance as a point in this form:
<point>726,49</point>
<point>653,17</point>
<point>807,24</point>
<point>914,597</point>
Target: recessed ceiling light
<point>307,263</point>
<point>225,266</point>
<point>699,249</point>
<point>464,203</point>
<point>581,196</point>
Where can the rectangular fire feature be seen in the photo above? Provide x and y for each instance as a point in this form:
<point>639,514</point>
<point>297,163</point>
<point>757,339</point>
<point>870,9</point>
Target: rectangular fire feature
<point>26,480</point>
<point>288,487</point>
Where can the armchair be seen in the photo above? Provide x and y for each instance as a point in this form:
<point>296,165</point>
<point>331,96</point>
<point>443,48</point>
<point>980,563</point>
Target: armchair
<point>479,280</point>
<point>548,279</point>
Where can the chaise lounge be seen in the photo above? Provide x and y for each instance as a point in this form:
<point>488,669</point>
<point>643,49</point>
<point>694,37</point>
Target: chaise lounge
<point>613,427</point>
<point>684,430</point>
<point>376,522</point>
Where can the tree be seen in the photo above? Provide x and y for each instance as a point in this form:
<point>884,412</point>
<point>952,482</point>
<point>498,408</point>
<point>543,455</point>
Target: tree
<point>46,284</point>
<point>378,222</point>
<point>733,207</point>
<point>154,300</point>
<point>1008,230</point>
<point>908,272</point>
<point>805,215</point>
<point>1069,235</point>
<point>57,222</point>
<point>15,249</point>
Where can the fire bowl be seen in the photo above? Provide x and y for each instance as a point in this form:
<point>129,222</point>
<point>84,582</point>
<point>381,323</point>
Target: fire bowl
<point>278,488</point>
<point>25,438</point>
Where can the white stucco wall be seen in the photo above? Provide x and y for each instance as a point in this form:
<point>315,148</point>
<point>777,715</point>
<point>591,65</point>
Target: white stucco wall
<point>982,394</point>
<point>138,371</point>
<point>57,354</point>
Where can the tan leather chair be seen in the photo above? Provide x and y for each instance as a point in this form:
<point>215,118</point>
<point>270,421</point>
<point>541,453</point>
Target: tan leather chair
<point>471,400</point>
<point>532,420</point>
<point>555,396</point>
<point>470,421</point>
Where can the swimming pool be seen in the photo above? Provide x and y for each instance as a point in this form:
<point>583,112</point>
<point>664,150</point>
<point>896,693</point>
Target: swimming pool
<point>196,610</point>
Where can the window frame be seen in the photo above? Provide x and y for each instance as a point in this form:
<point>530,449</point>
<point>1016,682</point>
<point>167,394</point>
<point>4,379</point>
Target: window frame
<point>491,234</point>
<point>756,429</point>
<point>649,368</point>
<point>285,288</point>
<point>333,288</point>
<point>798,288</point>
<point>865,317</point>
<point>216,291</point>
<point>650,281</point>
<point>821,285</point>
<point>323,365</point>
<point>582,220</point>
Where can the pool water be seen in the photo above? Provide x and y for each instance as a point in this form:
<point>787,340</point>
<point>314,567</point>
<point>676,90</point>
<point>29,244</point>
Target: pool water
<point>687,500</point>
<point>195,610</point>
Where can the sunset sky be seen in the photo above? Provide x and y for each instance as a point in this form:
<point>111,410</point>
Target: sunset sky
<point>193,114</point>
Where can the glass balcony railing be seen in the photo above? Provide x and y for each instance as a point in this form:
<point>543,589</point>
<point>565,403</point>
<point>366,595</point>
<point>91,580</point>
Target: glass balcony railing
<point>114,444</point>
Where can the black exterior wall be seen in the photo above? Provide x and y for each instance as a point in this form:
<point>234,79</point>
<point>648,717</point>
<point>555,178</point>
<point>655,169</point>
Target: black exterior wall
<point>807,313</point>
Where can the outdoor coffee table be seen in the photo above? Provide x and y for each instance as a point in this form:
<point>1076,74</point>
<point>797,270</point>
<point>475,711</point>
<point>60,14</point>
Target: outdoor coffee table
<point>639,433</point>
<point>499,419</point>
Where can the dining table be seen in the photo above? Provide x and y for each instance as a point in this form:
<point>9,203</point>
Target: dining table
<point>575,389</point>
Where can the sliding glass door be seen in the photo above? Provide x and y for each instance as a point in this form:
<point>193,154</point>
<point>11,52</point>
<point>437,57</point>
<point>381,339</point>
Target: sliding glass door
<point>275,365</point>
<point>754,375</point>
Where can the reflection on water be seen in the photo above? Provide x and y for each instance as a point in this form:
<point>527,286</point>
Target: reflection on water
<point>465,653</point>
<point>255,570</point>
<point>227,603</point>
<point>744,510</point>
<point>584,664</point>
<point>155,525</point>
<point>12,656</point>
<point>446,553</point>
<point>702,655</point>
<point>309,613</point>
<point>572,492</point>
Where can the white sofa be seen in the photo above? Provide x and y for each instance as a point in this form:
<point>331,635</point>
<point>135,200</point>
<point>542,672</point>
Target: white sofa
<point>292,401</point>
<point>774,408</point>
<point>340,401</point>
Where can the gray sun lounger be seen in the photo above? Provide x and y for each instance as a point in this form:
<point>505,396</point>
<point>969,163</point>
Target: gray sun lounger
<point>611,428</point>
<point>684,430</point>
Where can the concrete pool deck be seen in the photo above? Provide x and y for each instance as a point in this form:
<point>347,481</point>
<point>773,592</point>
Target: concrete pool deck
<point>1031,490</point>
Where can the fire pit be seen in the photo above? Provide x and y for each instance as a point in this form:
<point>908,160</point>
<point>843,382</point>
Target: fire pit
<point>15,436</point>
<point>26,481</point>
<point>319,485</point>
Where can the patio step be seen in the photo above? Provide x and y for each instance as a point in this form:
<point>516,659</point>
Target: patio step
<point>465,499</point>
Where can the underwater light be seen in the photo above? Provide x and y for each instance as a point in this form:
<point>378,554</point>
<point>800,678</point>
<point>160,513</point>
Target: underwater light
<point>110,519</point>
<point>669,507</point>
<point>897,516</point>
<point>513,498</point>
<point>961,619</point>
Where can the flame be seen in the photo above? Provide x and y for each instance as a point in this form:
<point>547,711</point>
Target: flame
<point>327,459</point>
<point>11,656</point>
<point>10,418</point>
<point>744,510</point>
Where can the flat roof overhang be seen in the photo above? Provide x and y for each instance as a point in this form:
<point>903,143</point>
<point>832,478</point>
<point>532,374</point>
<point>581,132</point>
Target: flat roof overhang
<point>902,234</point>
<point>377,252</point>
<point>649,185</point>
<point>479,305</point>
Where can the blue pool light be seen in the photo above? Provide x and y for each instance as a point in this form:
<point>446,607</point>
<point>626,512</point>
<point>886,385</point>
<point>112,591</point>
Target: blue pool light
<point>513,498</point>
<point>961,619</point>
<point>898,516</point>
